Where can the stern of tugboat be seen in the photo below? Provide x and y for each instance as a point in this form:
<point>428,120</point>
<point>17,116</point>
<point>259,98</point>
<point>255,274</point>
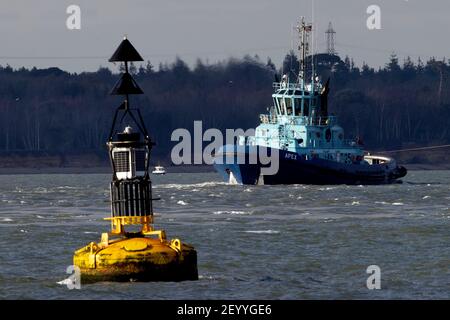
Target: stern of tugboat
<point>393,171</point>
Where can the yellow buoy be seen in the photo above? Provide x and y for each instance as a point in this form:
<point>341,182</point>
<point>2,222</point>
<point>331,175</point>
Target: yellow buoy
<point>137,259</point>
<point>145,255</point>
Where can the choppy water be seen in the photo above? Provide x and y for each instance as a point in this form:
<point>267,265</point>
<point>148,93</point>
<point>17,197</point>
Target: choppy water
<point>257,242</point>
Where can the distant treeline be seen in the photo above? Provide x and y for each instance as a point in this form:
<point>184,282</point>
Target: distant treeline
<point>51,111</point>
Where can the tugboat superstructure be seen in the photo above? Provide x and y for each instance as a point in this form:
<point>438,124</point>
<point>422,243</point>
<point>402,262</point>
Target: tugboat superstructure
<point>311,145</point>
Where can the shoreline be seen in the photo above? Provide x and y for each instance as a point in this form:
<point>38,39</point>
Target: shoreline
<point>95,170</point>
<point>170,169</point>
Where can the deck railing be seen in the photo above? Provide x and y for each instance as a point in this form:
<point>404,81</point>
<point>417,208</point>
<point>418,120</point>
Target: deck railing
<point>285,85</point>
<point>298,120</point>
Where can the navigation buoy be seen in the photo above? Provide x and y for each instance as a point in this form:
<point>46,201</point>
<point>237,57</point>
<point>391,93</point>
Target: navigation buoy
<point>145,255</point>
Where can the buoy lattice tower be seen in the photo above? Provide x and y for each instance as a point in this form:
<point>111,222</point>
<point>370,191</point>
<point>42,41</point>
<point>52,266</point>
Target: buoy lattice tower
<point>129,153</point>
<point>146,254</point>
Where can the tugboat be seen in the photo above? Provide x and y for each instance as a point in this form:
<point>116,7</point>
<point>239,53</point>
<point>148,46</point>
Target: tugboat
<point>159,170</point>
<point>309,143</point>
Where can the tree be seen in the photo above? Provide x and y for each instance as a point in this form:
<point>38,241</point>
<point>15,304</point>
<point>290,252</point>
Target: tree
<point>270,65</point>
<point>149,69</point>
<point>392,66</point>
<point>366,70</point>
<point>290,65</point>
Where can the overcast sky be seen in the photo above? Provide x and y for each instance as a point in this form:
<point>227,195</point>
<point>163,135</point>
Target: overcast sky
<point>34,33</point>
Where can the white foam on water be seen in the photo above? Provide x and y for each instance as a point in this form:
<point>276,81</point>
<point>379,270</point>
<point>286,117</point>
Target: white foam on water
<point>426,197</point>
<point>65,282</point>
<point>41,190</point>
<point>40,217</point>
<point>182,203</point>
<point>6,220</point>
<point>355,203</point>
<point>209,277</point>
<point>381,202</point>
<point>248,190</point>
<point>66,187</point>
<point>262,231</point>
<point>23,231</point>
<point>397,204</point>
<point>90,232</point>
<point>192,185</point>
<point>232,212</point>
<point>219,195</point>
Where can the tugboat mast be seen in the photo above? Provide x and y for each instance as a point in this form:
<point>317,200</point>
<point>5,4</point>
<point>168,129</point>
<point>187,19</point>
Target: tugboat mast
<point>304,31</point>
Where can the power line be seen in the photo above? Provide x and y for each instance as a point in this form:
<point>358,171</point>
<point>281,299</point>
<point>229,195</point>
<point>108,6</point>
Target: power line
<point>381,50</point>
<point>145,55</point>
<point>417,149</point>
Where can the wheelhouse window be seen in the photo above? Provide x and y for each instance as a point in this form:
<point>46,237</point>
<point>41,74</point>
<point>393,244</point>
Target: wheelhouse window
<point>305,112</point>
<point>277,106</point>
<point>282,106</point>
<point>297,106</point>
<point>288,102</point>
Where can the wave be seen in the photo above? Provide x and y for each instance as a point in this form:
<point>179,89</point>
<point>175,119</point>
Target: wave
<point>262,231</point>
<point>189,185</point>
<point>211,277</point>
<point>232,212</point>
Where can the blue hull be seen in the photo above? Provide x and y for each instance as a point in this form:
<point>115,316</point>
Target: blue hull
<point>296,170</point>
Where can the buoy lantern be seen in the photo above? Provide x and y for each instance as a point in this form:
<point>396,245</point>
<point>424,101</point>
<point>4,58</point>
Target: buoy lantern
<point>145,255</point>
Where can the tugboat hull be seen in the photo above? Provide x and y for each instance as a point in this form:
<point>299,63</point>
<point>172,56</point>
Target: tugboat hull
<point>294,169</point>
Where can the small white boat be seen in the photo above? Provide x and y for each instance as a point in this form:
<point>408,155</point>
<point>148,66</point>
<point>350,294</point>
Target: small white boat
<point>159,170</point>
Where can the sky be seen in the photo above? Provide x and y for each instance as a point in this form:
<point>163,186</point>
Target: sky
<point>34,33</point>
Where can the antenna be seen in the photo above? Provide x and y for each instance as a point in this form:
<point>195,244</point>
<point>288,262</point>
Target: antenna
<point>304,31</point>
<point>312,49</point>
<point>330,33</point>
